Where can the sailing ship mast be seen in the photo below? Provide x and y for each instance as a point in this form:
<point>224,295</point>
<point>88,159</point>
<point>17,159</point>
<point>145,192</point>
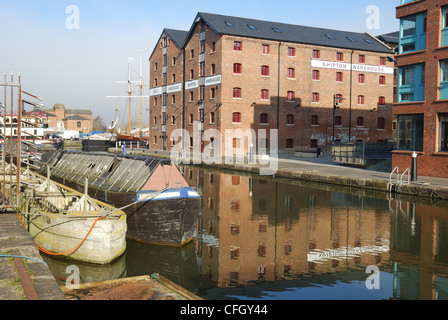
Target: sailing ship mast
<point>129,96</point>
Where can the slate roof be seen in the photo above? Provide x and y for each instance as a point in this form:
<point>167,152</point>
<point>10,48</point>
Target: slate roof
<point>393,37</point>
<point>228,25</point>
<point>178,37</point>
<point>74,117</point>
<point>77,111</point>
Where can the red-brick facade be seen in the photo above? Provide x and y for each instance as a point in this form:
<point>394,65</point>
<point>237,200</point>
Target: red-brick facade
<point>268,84</point>
<point>432,159</point>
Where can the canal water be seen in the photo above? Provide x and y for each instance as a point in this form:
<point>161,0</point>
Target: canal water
<point>269,239</point>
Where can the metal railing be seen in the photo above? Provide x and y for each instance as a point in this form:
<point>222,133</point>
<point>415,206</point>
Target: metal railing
<point>361,153</point>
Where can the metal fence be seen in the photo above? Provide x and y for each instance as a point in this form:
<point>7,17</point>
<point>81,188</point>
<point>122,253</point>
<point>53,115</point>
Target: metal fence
<point>362,153</point>
<point>11,109</point>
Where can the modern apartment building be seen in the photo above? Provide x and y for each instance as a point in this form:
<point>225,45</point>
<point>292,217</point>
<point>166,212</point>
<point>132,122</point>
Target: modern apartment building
<point>422,107</point>
<point>314,85</point>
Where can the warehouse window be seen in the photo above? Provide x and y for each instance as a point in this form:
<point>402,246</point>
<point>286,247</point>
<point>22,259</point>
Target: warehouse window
<point>237,92</point>
<point>236,117</point>
<point>339,77</point>
<point>265,94</point>
<point>238,46</point>
<point>360,122</point>
<point>290,96</point>
<point>291,52</point>
<point>381,123</point>
<point>264,118</point>
<point>361,78</point>
<point>361,100</point>
<point>338,121</point>
<point>265,71</point>
<point>291,73</point>
<point>265,49</point>
<point>237,68</point>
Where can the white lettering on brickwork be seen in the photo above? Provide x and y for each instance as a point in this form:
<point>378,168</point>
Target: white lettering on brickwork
<point>348,67</point>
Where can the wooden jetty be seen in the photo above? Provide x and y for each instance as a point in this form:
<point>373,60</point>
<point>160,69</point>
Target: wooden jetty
<point>153,287</point>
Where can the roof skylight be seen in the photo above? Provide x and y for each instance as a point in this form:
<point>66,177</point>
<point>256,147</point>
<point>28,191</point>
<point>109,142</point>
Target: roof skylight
<point>251,26</point>
<point>230,24</point>
<point>330,37</point>
<point>276,30</point>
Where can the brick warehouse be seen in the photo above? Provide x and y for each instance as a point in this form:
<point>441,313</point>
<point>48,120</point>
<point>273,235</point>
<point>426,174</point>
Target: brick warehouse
<point>235,73</point>
<point>422,107</point>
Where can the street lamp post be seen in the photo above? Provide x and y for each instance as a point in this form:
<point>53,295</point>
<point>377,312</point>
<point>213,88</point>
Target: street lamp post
<point>335,106</point>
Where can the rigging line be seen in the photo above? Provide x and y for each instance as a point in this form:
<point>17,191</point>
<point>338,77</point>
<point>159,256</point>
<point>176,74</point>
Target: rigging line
<point>69,251</point>
<point>23,257</point>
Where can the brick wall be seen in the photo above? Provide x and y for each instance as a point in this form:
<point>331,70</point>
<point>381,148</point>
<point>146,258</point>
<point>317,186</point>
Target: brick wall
<point>251,82</point>
<point>431,162</point>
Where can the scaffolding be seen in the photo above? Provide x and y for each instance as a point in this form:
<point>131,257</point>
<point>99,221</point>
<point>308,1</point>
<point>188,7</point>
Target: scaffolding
<point>10,105</point>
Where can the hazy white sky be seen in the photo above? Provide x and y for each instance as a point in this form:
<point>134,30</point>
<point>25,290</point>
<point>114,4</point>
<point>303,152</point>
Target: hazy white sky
<point>78,67</point>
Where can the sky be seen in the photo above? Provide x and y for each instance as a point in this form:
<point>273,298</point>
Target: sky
<point>73,52</point>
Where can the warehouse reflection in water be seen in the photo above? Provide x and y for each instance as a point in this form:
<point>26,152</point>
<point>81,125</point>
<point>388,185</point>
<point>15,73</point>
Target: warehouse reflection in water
<point>276,240</point>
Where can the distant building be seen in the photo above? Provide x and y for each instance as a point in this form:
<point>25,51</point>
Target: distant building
<point>422,106</point>
<point>236,73</point>
<point>393,40</point>
<point>70,119</point>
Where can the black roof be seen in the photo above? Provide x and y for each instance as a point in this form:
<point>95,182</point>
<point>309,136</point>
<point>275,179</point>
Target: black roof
<point>228,25</point>
<point>178,37</point>
<point>393,37</point>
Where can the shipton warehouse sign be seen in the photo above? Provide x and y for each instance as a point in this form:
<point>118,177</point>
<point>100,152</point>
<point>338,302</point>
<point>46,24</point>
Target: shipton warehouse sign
<point>348,67</point>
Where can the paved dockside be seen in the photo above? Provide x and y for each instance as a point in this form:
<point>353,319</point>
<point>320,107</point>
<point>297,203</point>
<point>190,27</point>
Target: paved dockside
<point>22,274</point>
<point>323,170</point>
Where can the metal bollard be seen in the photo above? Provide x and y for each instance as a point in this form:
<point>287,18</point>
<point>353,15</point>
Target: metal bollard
<point>414,167</point>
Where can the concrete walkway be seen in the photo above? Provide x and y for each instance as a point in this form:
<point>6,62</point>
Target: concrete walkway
<point>23,275</point>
